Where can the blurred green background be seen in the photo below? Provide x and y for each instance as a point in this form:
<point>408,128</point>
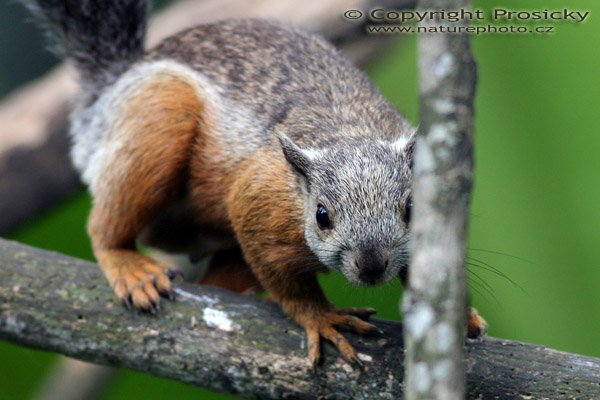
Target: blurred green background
<point>536,207</point>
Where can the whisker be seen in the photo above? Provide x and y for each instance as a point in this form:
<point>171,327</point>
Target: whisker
<point>483,282</point>
<point>473,289</point>
<point>503,254</point>
<point>485,266</point>
<point>484,286</point>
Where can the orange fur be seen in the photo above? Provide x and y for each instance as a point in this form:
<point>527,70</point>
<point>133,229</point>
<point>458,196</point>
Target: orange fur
<point>155,128</point>
<point>168,147</point>
<point>476,325</point>
<point>267,215</point>
<point>228,270</point>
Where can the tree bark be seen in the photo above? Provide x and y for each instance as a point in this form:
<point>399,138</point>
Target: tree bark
<point>241,345</point>
<point>435,304</point>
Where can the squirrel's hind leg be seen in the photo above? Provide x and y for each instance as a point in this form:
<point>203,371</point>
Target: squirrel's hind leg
<point>476,325</point>
<point>228,270</point>
<point>143,171</point>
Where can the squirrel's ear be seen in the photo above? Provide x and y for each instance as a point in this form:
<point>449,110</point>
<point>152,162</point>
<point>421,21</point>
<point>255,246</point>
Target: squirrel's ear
<point>299,159</point>
<point>409,149</point>
<point>406,146</point>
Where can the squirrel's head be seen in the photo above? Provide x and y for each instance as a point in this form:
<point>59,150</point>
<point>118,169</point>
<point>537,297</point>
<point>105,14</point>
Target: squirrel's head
<point>357,198</point>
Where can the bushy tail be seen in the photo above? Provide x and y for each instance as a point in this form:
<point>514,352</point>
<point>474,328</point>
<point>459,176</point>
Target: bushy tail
<point>101,37</point>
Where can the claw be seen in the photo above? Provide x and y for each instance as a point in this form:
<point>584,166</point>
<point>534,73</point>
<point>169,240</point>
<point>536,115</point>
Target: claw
<point>136,279</point>
<point>358,361</point>
<point>127,301</point>
<point>321,321</point>
<point>167,295</point>
<point>174,273</point>
<point>362,313</point>
<point>314,346</point>
<point>315,362</point>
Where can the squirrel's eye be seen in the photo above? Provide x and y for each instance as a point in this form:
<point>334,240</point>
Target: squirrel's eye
<point>408,211</point>
<point>323,217</point>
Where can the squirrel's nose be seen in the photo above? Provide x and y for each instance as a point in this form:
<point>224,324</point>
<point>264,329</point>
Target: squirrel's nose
<point>371,265</point>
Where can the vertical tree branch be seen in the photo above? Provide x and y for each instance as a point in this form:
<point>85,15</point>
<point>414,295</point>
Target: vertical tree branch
<point>435,303</point>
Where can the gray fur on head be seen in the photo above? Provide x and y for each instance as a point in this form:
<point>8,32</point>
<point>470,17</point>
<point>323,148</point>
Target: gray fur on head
<point>365,186</point>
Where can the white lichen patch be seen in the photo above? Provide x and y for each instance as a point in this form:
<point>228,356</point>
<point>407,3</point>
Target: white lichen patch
<point>444,337</point>
<point>442,369</point>
<point>443,66</point>
<point>419,320</point>
<point>347,368</point>
<point>219,319</point>
<point>389,382</point>
<point>443,106</point>
<point>236,372</point>
<point>20,254</point>
<point>421,378</point>
<point>210,301</point>
<point>102,326</point>
<point>425,156</point>
<point>14,325</point>
<point>442,140</point>
<point>440,133</point>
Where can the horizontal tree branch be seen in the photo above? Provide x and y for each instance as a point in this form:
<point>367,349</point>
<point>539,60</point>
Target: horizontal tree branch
<point>35,169</point>
<point>241,345</point>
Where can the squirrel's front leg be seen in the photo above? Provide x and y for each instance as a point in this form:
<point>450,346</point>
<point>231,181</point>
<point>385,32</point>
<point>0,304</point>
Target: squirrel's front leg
<point>295,287</point>
<point>142,173</point>
<point>305,302</point>
<point>267,219</point>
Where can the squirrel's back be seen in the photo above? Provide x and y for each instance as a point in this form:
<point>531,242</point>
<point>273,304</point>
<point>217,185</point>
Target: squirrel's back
<point>258,78</point>
<point>287,78</point>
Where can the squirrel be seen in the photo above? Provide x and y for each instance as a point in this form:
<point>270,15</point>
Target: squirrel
<point>255,142</point>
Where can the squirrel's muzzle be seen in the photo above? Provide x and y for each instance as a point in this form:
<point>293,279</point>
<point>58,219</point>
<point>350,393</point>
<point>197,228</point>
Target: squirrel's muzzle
<point>371,265</point>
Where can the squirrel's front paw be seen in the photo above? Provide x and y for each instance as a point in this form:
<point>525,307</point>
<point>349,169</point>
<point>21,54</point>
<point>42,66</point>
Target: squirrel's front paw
<point>136,279</point>
<point>322,322</point>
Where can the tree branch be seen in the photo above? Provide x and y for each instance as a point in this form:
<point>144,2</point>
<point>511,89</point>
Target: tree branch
<point>436,301</point>
<point>72,379</point>
<point>241,345</point>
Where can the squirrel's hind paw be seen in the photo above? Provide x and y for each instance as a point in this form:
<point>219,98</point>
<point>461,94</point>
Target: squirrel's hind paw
<point>476,325</point>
